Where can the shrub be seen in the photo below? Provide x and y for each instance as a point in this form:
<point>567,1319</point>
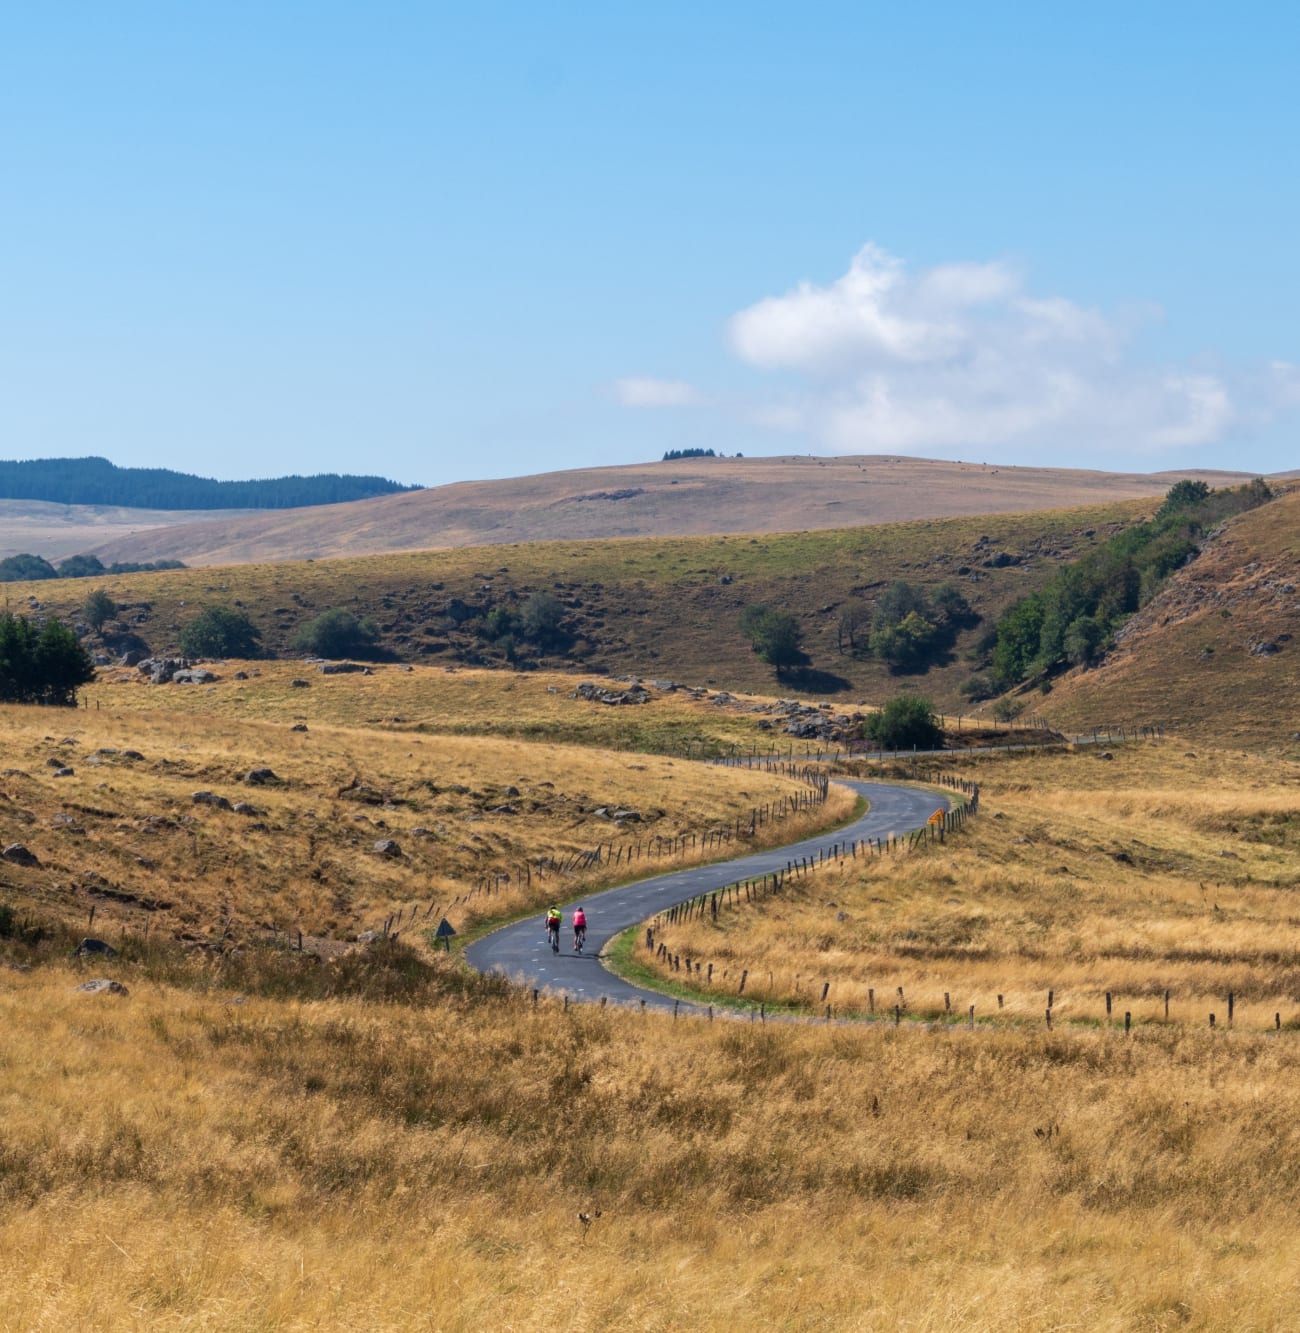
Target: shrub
<point>97,608</point>
<point>220,631</point>
<point>776,636</point>
<point>337,633</point>
<point>907,720</point>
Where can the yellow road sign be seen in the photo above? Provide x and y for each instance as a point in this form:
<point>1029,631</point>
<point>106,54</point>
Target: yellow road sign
<point>937,817</point>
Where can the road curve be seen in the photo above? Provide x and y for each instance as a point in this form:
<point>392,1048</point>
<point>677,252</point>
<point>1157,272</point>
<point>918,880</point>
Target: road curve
<point>521,951</point>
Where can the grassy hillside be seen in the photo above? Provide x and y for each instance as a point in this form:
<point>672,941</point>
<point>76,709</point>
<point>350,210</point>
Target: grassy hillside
<point>687,497</point>
<point>659,608</point>
<point>250,1136</point>
<point>1217,653</point>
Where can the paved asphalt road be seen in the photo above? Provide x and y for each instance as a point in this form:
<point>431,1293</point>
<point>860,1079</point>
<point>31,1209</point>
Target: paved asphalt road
<point>521,951</point>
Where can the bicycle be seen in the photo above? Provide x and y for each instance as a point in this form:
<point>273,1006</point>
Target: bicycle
<point>579,938</point>
<point>553,935</point>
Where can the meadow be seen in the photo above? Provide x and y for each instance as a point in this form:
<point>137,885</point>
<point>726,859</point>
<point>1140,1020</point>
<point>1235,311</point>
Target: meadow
<point>258,1136</point>
<point>1154,871</point>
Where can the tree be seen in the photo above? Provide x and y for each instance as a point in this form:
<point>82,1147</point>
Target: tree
<point>1183,495</point>
<point>907,720</point>
<point>337,633</point>
<point>542,621</point>
<point>775,635</point>
<point>21,568</point>
<point>1082,641</point>
<point>97,608</point>
<point>81,567</point>
<point>221,631</point>
<point>43,667</point>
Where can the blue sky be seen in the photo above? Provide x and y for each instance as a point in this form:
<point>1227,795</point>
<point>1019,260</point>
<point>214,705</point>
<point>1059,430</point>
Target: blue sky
<point>443,243</point>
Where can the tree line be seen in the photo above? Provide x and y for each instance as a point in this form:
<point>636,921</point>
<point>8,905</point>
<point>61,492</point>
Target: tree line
<point>27,568</point>
<point>1072,620</point>
<point>96,481</point>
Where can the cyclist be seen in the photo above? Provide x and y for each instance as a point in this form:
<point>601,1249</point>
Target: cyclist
<point>553,920</point>
<point>579,929</point>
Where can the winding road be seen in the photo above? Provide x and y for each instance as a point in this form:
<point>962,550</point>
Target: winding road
<point>521,951</point>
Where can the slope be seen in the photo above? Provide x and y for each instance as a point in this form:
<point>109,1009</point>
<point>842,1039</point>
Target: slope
<point>1215,653</point>
<point>687,497</point>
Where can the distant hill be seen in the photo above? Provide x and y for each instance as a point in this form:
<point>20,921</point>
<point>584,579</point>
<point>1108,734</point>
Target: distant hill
<point>673,498</point>
<point>96,481</point>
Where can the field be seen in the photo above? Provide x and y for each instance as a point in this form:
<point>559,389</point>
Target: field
<point>1156,871</point>
<point>127,832</point>
<point>260,1135</point>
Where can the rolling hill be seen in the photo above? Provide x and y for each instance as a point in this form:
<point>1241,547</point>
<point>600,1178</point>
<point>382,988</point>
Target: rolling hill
<point>689,497</point>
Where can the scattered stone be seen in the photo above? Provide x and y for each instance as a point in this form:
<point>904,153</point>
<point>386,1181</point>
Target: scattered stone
<point>1264,648</point>
<point>1229,856</point>
<point>367,937</point>
<point>387,847</point>
<point>194,676</point>
<point>90,945</point>
<point>240,675</point>
<point>298,726</point>
<point>63,772</point>
<point>300,685</point>
<point>343,669</point>
<point>257,776</point>
<point>210,798</point>
<point>17,854</point>
<point>103,986</point>
<point>1105,754</point>
<point>132,754</point>
<point>245,808</point>
<point>594,694</point>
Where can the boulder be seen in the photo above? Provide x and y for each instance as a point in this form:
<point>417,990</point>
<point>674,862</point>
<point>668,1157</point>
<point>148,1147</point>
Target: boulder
<point>387,847</point>
<point>343,669</point>
<point>245,808</point>
<point>210,798</point>
<point>300,685</point>
<point>90,946</point>
<point>103,986</point>
<point>298,726</point>
<point>63,772</point>
<point>194,676</point>
<point>256,777</point>
<point>19,855</point>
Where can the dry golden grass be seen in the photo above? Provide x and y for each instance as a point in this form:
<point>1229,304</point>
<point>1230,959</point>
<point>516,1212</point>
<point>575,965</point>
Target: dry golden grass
<point>688,496</point>
<point>126,835</point>
<point>1186,658</point>
<point>174,1161</point>
<point>1157,870</point>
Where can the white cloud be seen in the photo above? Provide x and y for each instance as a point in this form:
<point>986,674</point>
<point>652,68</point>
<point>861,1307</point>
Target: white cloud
<point>962,354</point>
<point>640,391</point>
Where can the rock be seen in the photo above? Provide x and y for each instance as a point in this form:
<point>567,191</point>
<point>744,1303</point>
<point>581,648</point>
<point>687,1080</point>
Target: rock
<point>511,792</point>
<point>300,685</point>
<point>387,847</point>
<point>343,669</point>
<point>19,855</point>
<point>90,945</point>
<point>1105,754</point>
<point>245,808</point>
<point>102,659</point>
<point>367,937</point>
<point>210,798</point>
<point>1264,648</point>
<point>132,754</point>
<point>594,694</point>
<point>626,817</point>
<point>63,772</point>
<point>257,776</point>
<point>298,726</point>
<point>240,675</point>
<point>194,676</point>
<point>103,986</point>
<point>132,657</point>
